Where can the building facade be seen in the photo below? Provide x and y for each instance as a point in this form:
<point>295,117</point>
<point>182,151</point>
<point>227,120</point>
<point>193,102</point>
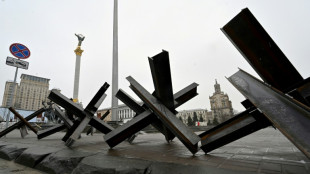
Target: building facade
<point>191,117</point>
<point>29,94</point>
<point>221,110</point>
<point>8,90</point>
<point>221,106</point>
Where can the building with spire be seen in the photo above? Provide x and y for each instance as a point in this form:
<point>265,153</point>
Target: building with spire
<point>221,110</point>
<point>221,106</point>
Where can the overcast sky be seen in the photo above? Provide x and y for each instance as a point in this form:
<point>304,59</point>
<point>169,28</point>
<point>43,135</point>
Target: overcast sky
<point>189,30</point>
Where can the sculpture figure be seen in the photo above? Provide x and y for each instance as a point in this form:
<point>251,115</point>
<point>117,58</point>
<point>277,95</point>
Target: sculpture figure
<point>80,38</point>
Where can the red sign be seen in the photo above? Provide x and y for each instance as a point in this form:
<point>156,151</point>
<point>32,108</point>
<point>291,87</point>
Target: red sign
<point>20,51</point>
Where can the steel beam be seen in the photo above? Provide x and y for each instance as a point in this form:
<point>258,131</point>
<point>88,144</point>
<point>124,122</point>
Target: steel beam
<point>184,134</point>
<point>63,117</point>
<point>49,131</point>
<point>90,130</point>
<point>262,53</point>
<point>143,118</point>
<point>21,118</point>
<point>132,104</point>
<point>20,123</point>
<point>85,117</point>
<point>130,128</point>
<point>160,69</point>
<point>241,125</point>
<point>66,125</point>
<point>89,111</point>
<point>161,75</point>
<point>291,117</point>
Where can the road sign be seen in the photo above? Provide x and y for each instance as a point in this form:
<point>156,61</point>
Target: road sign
<point>17,63</point>
<point>20,51</point>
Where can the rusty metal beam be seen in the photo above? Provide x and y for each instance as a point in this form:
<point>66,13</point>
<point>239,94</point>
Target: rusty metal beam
<point>132,104</point>
<point>291,117</point>
<point>85,117</point>
<point>161,75</point>
<point>262,53</point>
<point>101,118</point>
<point>20,123</point>
<point>184,134</point>
<point>185,94</point>
<point>130,128</point>
<point>63,117</point>
<point>239,126</point>
<point>49,131</point>
<point>96,101</point>
<point>66,125</point>
<point>105,115</point>
<point>21,118</point>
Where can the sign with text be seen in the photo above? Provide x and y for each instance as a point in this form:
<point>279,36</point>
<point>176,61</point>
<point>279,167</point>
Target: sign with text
<point>17,63</point>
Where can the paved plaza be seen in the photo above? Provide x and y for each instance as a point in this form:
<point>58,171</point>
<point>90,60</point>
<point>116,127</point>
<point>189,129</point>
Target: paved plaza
<point>266,151</point>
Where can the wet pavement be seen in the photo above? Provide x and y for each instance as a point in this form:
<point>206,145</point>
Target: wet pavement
<point>12,167</point>
<point>266,151</point>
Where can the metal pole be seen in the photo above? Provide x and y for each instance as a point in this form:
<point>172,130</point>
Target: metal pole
<point>11,99</point>
<point>115,65</point>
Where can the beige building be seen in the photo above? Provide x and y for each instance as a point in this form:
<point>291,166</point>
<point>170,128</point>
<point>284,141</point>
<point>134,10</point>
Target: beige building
<point>221,106</point>
<point>221,110</point>
<point>29,94</point>
<point>8,90</point>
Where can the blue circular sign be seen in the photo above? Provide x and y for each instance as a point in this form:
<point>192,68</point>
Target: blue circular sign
<point>20,51</point>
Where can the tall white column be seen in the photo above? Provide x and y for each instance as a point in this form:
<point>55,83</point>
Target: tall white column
<point>115,65</point>
<point>78,52</point>
<point>77,78</point>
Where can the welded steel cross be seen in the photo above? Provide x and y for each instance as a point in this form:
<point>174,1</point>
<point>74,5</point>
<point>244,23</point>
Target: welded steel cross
<point>22,123</point>
<point>85,116</point>
<point>283,99</point>
<point>158,109</point>
<point>67,124</point>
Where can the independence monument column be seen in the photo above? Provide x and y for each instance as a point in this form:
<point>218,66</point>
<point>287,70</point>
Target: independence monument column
<point>78,51</point>
<point>115,65</point>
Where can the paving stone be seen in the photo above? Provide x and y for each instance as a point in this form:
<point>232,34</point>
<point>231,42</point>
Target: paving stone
<point>163,168</point>
<point>271,166</point>
<point>63,161</point>
<point>269,172</point>
<point>32,156</point>
<point>152,148</point>
<point>11,152</point>
<point>238,168</point>
<point>243,163</point>
<point>102,163</point>
<point>294,169</point>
